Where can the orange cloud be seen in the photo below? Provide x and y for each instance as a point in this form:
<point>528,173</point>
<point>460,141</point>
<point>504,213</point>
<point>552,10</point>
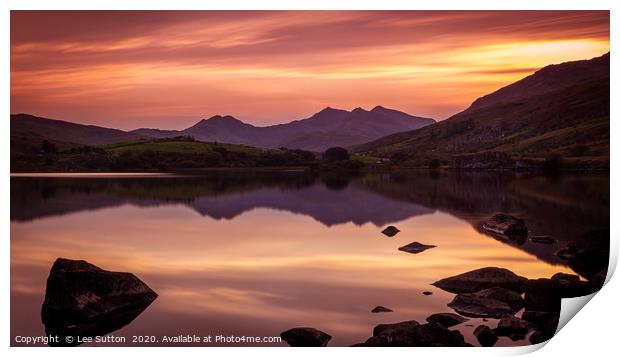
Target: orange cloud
<point>167,69</point>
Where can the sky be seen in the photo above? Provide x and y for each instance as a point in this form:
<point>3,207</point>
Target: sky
<point>169,69</point>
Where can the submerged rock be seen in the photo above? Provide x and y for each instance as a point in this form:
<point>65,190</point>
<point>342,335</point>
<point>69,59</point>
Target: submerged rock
<point>485,336</point>
<point>446,319</point>
<point>481,279</point>
<point>390,231</point>
<point>84,300</point>
<point>412,334</point>
<point>381,309</point>
<point>305,337</point>
<point>513,327</point>
<point>506,225</point>
<point>415,248</point>
<point>493,302</point>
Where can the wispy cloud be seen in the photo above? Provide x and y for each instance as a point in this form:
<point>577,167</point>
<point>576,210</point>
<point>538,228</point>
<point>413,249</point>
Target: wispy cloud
<point>134,68</point>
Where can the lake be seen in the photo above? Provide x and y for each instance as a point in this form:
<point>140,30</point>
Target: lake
<point>257,253</point>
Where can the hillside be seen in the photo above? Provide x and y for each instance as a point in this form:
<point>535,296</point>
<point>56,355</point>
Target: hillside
<point>327,128</point>
<point>157,155</point>
<point>560,111</point>
<point>28,131</point>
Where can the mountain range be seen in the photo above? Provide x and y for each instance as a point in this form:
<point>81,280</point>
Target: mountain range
<point>559,110</point>
<point>327,128</point>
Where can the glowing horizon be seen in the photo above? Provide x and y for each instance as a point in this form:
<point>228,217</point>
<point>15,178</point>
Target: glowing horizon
<point>169,69</point>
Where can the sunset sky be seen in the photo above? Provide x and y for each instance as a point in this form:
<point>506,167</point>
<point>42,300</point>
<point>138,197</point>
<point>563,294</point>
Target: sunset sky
<point>169,69</point>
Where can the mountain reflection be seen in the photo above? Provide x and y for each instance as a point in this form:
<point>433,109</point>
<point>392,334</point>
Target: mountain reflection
<point>562,207</point>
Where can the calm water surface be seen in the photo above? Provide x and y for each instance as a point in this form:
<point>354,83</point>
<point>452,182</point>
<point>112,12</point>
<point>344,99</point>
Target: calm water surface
<point>255,254</point>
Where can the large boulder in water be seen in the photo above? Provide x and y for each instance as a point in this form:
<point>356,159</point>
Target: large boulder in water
<point>494,302</point>
<point>84,300</point>
<point>412,334</point>
<point>481,279</point>
<point>506,225</point>
<point>305,337</point>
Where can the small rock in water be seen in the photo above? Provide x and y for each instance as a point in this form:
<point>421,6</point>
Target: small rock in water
<point>446,319</point>
<point>390,231</point>
<point>485,336</point>
<point>415,248</point>
<point>427,293</point>
<point>381,309</point>
<point>571,286</point>
<point>389,328</point>
<point>506,225</point>
<point>305,337</point>
<point>564,278</point>
<point>542,239</point>
<point>412,334</point>
<point>481,279</point>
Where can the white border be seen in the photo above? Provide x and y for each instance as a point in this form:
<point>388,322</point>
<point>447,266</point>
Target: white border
<point>590,331</point>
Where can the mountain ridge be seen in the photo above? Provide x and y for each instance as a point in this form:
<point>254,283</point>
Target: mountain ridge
<point>326,128</point>
<point>559,111</point>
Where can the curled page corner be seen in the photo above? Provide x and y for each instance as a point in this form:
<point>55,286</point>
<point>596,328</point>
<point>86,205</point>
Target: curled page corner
<point>571,306</point>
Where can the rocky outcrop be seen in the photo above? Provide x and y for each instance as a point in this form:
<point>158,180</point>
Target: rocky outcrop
<point>415,247</point>
<point>485,336</point>
<point>305,337</point>
<point>481,279</point>
<point>446,319</point>
<point>412,334</point>
<point>494,302</point>
<point>84,300</point>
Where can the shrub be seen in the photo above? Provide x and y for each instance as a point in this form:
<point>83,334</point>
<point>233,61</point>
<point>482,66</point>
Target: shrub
<point>336,154</point>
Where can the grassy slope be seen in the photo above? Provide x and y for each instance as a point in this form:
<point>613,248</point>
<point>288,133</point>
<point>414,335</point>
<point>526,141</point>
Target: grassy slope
<point>182,147</point>
<point>150,155</point>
